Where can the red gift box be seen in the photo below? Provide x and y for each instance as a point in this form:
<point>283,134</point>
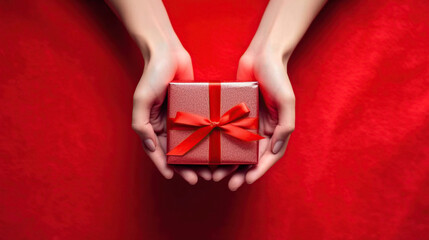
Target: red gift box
<point>212,123</point>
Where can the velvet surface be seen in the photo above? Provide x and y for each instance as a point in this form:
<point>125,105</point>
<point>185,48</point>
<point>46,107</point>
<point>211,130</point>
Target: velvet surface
<point>72,168</point>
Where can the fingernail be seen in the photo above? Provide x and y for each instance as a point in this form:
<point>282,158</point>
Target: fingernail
<point>216,178</point>
<point>250,179</point>
<point>169,174</point>
<point>206,176</point>
<point>192,180</point>
<point>277,146</point>
<point>234,186</point>
<point>149,144</point>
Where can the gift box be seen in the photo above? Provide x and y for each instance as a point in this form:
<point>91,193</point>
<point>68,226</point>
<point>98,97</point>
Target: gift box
<point>212,123</point>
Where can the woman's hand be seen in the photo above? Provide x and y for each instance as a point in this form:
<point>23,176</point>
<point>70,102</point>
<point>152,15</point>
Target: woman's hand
<point>149,109</point>
<point>282,26</point>
<point>276,115</point>
<point>165,60</point>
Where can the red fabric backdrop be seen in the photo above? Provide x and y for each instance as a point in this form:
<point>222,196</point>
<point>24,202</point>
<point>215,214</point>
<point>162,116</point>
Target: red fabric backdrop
<point>72,168</point>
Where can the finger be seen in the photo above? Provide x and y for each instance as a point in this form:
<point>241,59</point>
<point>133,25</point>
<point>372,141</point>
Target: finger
<point>267,160</point>
<point>141,124</point>
<point>162,141</point>
<point>285,104</point>
<point>204,172</point>
<point>263,143</point>
<point>280,138</point>
<point>238,178</point>
<point>159,159</point>
<point>285,126</point>
<point>153,149</point>
<point>187,173</point>
<point>222,171</point>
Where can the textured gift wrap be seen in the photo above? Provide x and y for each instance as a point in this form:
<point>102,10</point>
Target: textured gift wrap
<point>212,101</point>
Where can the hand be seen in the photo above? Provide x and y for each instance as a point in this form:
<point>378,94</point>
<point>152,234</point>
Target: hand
<point>149,109</point>
<point>165,60</point>
<point>276,116</point>
<point>281,28</point>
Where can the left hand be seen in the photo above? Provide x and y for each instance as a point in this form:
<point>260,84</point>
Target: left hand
<point>276,116</point>
<point>281,28</point>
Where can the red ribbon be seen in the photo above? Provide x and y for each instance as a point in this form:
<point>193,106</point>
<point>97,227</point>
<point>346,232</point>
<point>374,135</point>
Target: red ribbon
<point>234,123</point>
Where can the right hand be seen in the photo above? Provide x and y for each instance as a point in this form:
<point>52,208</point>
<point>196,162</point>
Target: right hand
<point>149,108</point>
<point>165,60</point>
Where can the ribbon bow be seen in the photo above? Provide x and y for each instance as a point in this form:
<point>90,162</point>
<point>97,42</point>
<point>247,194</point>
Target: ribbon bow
<point>234,122</point>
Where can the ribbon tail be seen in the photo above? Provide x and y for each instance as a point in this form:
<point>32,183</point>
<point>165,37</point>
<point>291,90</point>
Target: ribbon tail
<point>241,133</point>
<point>190,141</point>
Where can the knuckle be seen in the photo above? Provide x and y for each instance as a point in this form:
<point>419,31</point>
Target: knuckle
<point>287,98</point>
<point>289,128</point>
<point>143,94</point>
<point>143,130</point>
<point>162,65</point>
<point>246,61</point>
<point>139,128</point>
<point>184,61</point>
<point>137,97</point>
<point>140,97</point>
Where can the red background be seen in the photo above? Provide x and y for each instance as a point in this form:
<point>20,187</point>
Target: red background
<point>72,168</point>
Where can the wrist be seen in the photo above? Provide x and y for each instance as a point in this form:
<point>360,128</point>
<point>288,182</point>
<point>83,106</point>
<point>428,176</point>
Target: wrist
<point>281,28</point>
<point>267,50</point>
<point>157,42</point>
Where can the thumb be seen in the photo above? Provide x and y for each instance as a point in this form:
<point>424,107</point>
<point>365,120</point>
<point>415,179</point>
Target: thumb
<point>285,125</point>
<point>142,104</point>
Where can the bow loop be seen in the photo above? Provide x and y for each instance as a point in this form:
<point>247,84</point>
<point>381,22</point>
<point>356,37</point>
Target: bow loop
<point>236,112</point>
<point>190,119</point>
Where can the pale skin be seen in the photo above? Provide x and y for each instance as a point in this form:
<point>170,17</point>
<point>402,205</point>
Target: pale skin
<point>282,26</point>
